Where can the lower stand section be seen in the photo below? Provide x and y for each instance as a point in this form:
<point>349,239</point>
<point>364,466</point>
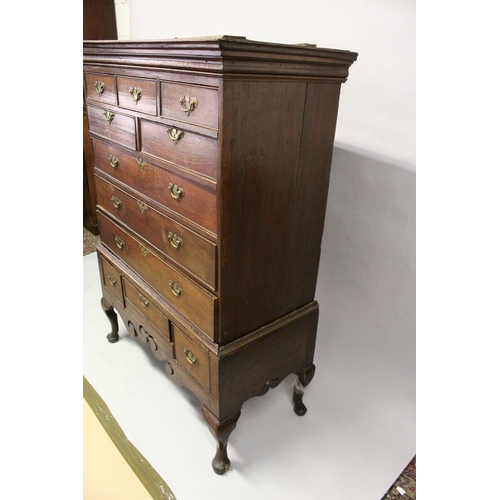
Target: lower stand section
<point>303,380</point>
<point>227,376</point>
<point>113,319</point>
<point>221,431</point>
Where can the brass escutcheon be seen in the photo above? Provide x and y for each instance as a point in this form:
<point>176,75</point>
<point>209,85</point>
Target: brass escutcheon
<point>119,242</point>
<point>141,163</point>
<point>111,279</point>
<point>136,93</point>
<point>190,356</point>
<point>114,161</point>
<point>175,134</point>
<point>188,104</point>
<point>176,191</point>
<point>116,202</point>
<point>144,250</point>
<point>99,87</point>
<point>175,241</point>
<point>142,206</point>
<point>109,116</point>
<point>176,289</point>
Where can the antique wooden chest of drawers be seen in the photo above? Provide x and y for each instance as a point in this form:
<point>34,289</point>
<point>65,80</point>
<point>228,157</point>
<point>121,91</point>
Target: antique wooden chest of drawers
<point>212,160</point>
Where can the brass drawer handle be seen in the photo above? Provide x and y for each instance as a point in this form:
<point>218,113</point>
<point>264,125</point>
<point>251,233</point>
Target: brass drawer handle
<point>99,87</point>
<point>175,134</point>
<point>116,202</point>
<point>175,241</point>
<point>111,279</point>
<point>119,242</point>
<point>176,289</point>
<point>109,116</point>
<point>141,163</point>
<point>190,356</point>
<point>144,300</point>
<point>136,93</point>
<point>188,104</point>
<point>176,191</point>
<point>113,160</point>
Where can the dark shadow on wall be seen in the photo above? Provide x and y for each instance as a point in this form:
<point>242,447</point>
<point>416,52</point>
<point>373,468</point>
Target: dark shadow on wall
<point>366,283</point>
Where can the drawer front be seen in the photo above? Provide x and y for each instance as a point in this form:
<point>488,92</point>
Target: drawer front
<point>146,306</point>
<point>175,192</point>
<point>190,103</point>
<point>182,245</point>
<point>111,279</point>
<point>118,128</point>
<point>180,147</point>
<point>192,357</point>
<point>183,294</point>
<point>137,94</point>
<point>100,88</point>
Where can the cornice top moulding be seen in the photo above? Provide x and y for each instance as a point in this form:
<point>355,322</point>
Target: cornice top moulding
<point>222,55</point>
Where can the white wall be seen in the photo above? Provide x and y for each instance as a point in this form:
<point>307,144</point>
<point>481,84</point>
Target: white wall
<point>122,19</point>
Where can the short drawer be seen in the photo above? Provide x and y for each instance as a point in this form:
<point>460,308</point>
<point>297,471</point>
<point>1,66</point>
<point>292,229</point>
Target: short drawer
<point>180,147</point>
<point>113,126</point>
<point>183,294</point>
<point>137,94</point>
<point>190,103</point>
<point>192,252</point>
<point>146,306</point>
<point>192,356</point>
<point>100,88</point>
<point>195,201</point>
<point>111,279</point>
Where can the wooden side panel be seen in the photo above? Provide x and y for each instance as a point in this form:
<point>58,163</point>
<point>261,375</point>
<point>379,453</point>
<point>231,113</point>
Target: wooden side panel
<point>265,362</point>
<point>260,152</point>
<point>276,156</point>
<point>311,193</point>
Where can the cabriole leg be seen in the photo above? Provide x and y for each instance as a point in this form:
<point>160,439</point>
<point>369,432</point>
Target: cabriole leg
<point>303,380</point>
<point>221,431</point>
<point>113,319</point>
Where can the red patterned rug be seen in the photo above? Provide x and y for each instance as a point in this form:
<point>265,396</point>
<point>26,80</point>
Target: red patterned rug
<point>406,484</point>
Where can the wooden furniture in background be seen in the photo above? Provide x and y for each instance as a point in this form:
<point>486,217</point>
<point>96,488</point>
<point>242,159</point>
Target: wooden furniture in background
<point>212,161</point>
<point>99,23</point>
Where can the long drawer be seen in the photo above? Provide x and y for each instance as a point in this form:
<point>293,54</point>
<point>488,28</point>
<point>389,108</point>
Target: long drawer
<point>183,294</point>
<point>192,252</point>
<point>110,125</point>
<point>193,199</point>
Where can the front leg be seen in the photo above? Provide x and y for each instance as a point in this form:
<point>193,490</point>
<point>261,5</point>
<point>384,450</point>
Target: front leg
<point>113,319</point>
<point>303,380</point>
<point>221,431</point>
